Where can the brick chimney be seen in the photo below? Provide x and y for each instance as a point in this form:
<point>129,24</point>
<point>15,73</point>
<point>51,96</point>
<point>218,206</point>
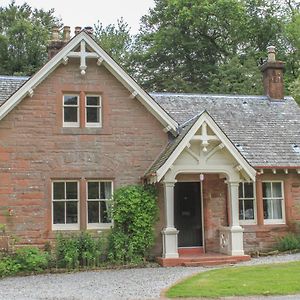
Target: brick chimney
<point>56,42</point>
<point>272,71</point>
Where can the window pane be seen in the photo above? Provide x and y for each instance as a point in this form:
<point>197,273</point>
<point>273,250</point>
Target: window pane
<point>105,212</point>
<point>71,212</point>
<point>277,192</point>
<point>71,189</point>
<point>59,212</point>
<point>92,115</point>
<point>241,210</point>
<point>93,190</point>
<point>93,100</point>
<point>277,209</point>
<point>58,190</point>
<point>70,100</point>
<point>266,189</point>
<point>267,209</point>
<point>93,212</point>
<point>70,114</point>
<point>248,188</point>
<point>249,210</point>
<point>241,190</point>
<point>105,190</point>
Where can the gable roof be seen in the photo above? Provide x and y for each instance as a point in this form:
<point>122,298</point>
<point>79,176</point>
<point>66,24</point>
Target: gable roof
<point>108,62</point>
<point>265,132</point>
<point>9,84</point>
<point>173,150</point>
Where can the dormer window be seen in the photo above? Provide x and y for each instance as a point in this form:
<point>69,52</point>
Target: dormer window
<point>71,111</point>
<point>93,111</point>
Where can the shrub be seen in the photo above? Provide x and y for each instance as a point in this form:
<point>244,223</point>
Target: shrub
<point>31,259</point>
<point>288,242</point>
<point>80,250</point>
<point>8,266</point>
<point>134,213</point>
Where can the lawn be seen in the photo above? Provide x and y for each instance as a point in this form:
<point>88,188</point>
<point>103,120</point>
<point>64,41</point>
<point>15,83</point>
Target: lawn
<point>273,279</point>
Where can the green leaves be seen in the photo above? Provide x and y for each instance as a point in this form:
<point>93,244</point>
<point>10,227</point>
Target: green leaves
<point>134,213</point>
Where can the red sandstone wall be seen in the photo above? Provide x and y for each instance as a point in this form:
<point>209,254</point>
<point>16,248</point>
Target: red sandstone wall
<point>34,148</point>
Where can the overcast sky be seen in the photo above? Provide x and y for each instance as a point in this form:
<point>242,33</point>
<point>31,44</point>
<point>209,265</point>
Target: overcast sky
<point>87,12</point>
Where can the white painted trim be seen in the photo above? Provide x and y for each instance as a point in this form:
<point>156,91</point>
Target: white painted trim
<point>95,124</point>
<point>205,117</point>
<point>71,124</point>
<point>254,221</point>
<point>150,104</point>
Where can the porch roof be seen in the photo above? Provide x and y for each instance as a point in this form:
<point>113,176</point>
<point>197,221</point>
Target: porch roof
<point>265,132</point>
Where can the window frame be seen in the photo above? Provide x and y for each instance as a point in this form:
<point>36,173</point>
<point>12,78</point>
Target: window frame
<point>254,221</point>
<point>93,124</point>
<point>72,226</point>
<point>98,225</point>
<point>274,221</point>
<point>71,124</point>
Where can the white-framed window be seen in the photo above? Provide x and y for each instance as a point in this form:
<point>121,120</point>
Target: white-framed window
<point>65,205</point>
<point>99,201</point>
<point>70,110</point>
<point>247,207</point>
<point>93,112</point>
<point>273,202</point>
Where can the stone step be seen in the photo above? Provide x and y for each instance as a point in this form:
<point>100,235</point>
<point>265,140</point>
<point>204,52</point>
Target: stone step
<point>209,263</point>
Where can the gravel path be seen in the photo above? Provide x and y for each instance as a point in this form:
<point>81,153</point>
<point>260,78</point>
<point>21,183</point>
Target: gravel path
<point>111,284</point>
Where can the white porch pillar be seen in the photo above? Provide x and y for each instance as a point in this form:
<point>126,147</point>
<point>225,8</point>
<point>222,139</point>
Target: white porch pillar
<point>169,233</point>
<point>231,238</point>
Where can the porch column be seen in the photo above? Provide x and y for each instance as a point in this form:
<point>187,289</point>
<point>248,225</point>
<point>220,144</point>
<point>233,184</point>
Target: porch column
<point>169,233</point>
<point>232,236</point>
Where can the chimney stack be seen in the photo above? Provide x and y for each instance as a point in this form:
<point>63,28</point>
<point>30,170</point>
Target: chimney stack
<point>89,30</point>
<point>272,71</point>
<point>56,43</point>
<point>77,30</point>
<point>66,33</point>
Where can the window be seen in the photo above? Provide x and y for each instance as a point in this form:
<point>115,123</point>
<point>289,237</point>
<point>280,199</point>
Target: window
<point>93,111</point>
<point>65,196</point>
<point>71,111</point>
<point>247,213</point>
<point>99,195</point>
<point>273,202</point>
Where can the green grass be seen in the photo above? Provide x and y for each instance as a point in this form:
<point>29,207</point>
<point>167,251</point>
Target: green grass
<point>273,279</point>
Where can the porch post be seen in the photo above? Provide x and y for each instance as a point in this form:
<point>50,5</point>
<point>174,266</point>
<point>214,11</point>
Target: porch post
<point>169,233</point>
<point>232,236</point>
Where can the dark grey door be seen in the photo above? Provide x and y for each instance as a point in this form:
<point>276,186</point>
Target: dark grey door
<point>187,213</point>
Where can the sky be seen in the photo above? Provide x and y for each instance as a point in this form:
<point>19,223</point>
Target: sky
<point>88,12</point>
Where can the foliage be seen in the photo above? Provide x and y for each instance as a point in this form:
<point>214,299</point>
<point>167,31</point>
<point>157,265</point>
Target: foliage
<point>134,213</point>
<point>288,242</point>
<point>2,228</point>
<point>24,34</point>
<point>31,259</point>
<point>273,279</point>
<point>8,266</point>
<point>80,250</point>
<point>115,39</point>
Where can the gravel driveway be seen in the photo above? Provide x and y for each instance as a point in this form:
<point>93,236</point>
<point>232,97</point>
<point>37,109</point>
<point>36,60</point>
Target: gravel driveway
<point>110,284</point>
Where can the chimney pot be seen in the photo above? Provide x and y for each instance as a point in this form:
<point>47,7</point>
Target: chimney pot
<point>271,54</point>
<point>55,33</point>
<point>66,33</point>
<point>89,30</point>
<point>77,29</point>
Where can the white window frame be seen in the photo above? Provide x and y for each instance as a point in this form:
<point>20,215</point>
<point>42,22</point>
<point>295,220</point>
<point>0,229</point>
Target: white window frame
<point>73,226</point>
<point>254,221</point>
<point>71,124</point>
<point>97,225</point>
<point>275,221</point>
<point>99,107</point>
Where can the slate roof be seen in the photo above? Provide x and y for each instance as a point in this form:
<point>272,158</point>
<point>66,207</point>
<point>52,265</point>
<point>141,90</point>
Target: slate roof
<point>8,85</point>
<point>263,131</point>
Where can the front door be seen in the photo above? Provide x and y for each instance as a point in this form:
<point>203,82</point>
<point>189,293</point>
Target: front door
<point>187,213</point>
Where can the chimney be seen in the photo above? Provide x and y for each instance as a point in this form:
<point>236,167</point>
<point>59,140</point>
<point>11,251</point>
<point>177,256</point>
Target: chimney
<point>89,30</point>
<point>272,71</point>
<point>66,34</point>
<point>56,43</point>
<point>77,30</point>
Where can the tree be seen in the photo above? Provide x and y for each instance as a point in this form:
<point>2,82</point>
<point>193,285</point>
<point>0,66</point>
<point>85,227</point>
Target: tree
<point>116,40</point>
<point>24,35</point>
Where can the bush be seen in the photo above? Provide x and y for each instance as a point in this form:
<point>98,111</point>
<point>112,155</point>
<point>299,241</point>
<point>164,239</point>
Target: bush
<point>134,213</point>
<point>8,266</point>
<point>80,250</point>
<point>288,242</point>
<point>31,259</point>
